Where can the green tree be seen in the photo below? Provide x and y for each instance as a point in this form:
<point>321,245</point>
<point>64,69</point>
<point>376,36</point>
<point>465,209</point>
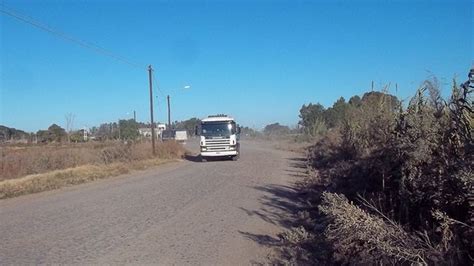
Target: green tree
<point>54,133</point>
<point>335,115</point>
<point>128,129</point>
<point>276,130</point>
<point>377,100</point>
<point>44,136</point>
<point>57,133</point>
<point>249,132</point>
<point>311,114</point>
<point>312,119</point>
<point>188,125</point>
<point>355,101</point>
<point>7,133</point>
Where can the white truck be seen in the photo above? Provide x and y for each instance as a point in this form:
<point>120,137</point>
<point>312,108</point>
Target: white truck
<point>181,136</point>
<point>219,137</point>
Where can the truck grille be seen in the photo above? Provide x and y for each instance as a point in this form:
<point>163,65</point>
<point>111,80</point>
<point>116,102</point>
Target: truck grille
<point>217,144</point>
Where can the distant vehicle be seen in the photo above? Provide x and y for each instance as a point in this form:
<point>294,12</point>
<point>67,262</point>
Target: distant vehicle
<point>168,134</point>
<point>181,135</point>
<point>219,137</point>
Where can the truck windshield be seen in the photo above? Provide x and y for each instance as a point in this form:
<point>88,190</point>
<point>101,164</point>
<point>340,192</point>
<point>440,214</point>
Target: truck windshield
<point>218,129</point>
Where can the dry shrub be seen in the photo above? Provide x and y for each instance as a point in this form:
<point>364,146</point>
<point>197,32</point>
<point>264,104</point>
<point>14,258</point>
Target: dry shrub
<point>362,238</point>
<point>368,126</point>
<point>170,150</point>
<point>296,235</point>
<point>56,179</point>
<point>409,163</point>
<point>117,153</point>
<point>31,169</point>
<point>71,176</point>
<point>293,252</point>
<point>35,159</point>
<point>20,161</point>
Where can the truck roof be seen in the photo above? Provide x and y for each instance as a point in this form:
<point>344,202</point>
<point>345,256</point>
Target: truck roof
<point>217,119</point>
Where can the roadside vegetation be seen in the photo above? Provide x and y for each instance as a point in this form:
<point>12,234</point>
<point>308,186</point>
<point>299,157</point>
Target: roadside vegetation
<point>57,157</point>
<point>389,182</point>
<point>33,168</point>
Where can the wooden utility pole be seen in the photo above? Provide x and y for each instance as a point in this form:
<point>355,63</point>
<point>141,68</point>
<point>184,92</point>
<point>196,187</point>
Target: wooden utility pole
<point>169,113</point>
<point>151,110</point>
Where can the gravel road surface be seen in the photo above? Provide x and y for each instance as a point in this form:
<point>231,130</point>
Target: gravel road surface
<point>218,212</point>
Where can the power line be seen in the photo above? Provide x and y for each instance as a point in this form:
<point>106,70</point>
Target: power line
<point>44,27</point>
<point>158,89</point>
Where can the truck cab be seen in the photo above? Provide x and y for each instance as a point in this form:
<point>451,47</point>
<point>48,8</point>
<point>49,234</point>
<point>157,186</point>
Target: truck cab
<point>219,137</point>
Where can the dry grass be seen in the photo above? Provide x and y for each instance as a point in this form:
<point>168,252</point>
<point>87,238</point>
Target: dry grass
<point>414,167</point>
<point>18,161</point>
<point>31,169</point>
<point>292,145</point>
<point>362,238</point>
<point>72,176</point>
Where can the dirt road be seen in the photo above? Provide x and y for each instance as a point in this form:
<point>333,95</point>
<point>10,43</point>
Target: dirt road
<point>220,212</point>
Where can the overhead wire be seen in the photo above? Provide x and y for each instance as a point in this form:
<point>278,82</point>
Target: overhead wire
<point>158,89</point>
<point>159,101</point>
<point>33,22</point>
<point>42,26</point>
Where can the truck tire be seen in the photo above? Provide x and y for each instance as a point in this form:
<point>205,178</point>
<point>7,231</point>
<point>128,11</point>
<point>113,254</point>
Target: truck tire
<point>238,153</point>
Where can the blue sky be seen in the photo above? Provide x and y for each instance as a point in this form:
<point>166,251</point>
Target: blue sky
<point>257,60</point>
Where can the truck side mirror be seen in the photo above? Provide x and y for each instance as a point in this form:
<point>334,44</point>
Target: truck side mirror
<point>238,130</point>
<point>196,131</point>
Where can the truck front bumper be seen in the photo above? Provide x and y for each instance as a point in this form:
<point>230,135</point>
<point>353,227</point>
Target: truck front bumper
<point>219,153</point>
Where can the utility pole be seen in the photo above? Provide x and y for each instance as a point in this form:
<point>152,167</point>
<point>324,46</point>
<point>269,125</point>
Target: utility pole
<point>134,116</point>
<point>169,114</point>
<point>151,110</point>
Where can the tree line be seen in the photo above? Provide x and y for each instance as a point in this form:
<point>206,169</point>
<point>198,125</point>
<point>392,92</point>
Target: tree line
<point>316,120</point>
<point>124,129</point>
<point>13,134</point>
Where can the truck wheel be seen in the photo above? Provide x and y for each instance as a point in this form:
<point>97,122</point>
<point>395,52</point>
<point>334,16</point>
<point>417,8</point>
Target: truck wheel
<point>236,157</point>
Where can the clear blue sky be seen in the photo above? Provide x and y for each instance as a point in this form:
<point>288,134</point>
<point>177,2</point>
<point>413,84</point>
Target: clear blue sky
<point>257,60</point>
